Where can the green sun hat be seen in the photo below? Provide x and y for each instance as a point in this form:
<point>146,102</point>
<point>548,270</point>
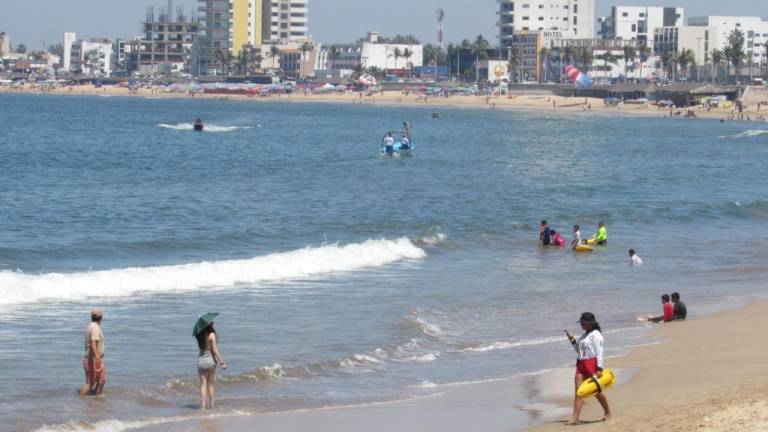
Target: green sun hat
<point>203,322</point>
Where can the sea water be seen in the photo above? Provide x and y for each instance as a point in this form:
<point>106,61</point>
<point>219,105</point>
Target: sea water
<point>343,277</point>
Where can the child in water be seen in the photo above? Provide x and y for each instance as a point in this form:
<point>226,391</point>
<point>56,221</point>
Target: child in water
<point>576,237</point>
<point>557,239</point>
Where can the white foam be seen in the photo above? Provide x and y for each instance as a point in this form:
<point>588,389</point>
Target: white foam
<point>509,345</point>
<point>752,133</point>
<point>426,358</point>
<point>19,287</point>
<point>434,239</point>
<point>207,128</point>
<point>126,425</point>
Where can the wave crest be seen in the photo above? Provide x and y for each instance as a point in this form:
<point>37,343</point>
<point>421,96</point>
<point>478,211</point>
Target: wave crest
<point>208,128</point>
<point>19,287</point>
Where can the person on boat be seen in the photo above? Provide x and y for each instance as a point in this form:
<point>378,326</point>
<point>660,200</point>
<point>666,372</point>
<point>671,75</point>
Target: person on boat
<point>576,237</point>
<point>601,236</point>
<point>557,239</point>
<point>405,142</point>
<point>199,125</point>
<point>545,234</point>
<point>389,143</point>
<point>589,347</point>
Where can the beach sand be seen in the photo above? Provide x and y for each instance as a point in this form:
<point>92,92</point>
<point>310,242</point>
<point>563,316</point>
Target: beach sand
<point>707,374</point>
<point>532,102</point>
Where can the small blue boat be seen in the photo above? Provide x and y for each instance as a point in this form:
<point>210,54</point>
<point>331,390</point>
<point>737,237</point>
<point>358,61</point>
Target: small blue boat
<point>398,143</point>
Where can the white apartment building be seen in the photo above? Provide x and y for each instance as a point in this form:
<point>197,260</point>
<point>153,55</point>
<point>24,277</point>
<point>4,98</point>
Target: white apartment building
<point>639,22</point>
<point>700,40</point>
<point>286,20</point>
<point>576,16</point>
<point>5,44</point>
<point>66,61</point>
<point>755,31</point>
<point>92,57</point>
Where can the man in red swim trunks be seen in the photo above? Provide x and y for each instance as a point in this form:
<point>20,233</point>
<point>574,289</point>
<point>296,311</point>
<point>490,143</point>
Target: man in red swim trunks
<point>93,361</point>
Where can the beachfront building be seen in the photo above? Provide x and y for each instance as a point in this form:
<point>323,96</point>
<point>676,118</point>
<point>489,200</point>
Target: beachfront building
<point>211,56</point>
<point>755,31</point>
<point>294,59</point>
<point>699,40</point>
<point>285,21</point>
<point>589,55</point>
<point>125,60</point>
<point>390,57</point>
<point>5,44</point>
<point>336,60</point>
<point>166,42</point>
<point>91,58</point>
<point>575,16</point>
<point>639,22</point>
<point>66,58</point>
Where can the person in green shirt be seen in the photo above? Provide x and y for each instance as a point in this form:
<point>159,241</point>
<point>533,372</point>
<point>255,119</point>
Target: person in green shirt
<point>601,236</point>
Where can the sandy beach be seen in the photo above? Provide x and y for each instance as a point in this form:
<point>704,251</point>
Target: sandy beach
<point>706,374</point>
<point>528,102</point>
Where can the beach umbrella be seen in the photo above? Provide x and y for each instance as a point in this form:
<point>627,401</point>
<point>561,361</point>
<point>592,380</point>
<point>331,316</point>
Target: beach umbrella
<point>203,322</point>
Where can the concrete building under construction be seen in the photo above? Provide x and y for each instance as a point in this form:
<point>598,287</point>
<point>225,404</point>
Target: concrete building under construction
<point>167,41</point>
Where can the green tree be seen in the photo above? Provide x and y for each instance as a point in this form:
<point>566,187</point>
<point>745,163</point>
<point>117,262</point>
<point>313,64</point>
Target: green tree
<point>512,64</point>
<point>686,58</point>
<point>222,58</point>
<point>587,58</point>
<point>257,59</point>
<point>397,54</point>
<point>479,49</point>
<point>544,54</point>
<point>21,49</point>
<point>609,57</point>
<point>644,52</point>
<point>243,60</point>
<point>333,55</point>
<point>407,54</point>
<point>666,60</point>
<point>274,52</point>
<point>734,52</point>
<point>629,56</point>
<point>717,57</point>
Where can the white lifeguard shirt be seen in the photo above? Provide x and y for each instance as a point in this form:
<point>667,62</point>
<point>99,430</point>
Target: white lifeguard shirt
<point>389,141</point>
<point>590,346</point>
<point>636,261</point>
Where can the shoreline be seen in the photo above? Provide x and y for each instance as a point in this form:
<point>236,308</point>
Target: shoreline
<point>543,104</point>
<point>675,383</point>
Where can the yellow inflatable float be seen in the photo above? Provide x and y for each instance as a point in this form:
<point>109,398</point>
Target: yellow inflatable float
<point>590,386</point>
<point>584,248</point>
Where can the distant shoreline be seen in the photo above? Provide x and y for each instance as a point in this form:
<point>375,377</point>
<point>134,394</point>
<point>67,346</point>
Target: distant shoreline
<point>531,103</point>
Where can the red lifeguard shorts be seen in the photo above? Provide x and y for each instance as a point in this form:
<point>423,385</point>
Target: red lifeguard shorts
<point>586,368</point>
<point>94,374</point>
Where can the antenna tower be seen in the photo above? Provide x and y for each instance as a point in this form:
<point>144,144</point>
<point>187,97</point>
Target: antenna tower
<point>440,18</point>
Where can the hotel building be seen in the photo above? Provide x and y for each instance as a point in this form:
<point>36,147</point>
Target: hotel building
<point>574,16</point>
<point>639,23</point>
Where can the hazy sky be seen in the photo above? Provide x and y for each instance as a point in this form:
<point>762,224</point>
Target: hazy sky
<point>33,22</point>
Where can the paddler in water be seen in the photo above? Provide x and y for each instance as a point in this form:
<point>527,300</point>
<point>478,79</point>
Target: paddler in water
<point>545,234</point>
<point>557,239</point>
<point>389,144</point>
<point>589,347</point>
<point>199,125</point>
<point>601,236</point>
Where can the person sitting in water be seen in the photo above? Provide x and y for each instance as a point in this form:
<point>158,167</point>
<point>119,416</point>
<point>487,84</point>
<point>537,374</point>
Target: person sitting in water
<point>668,311</point>
<point>634,259</point>
<point>557,239</point>
<point>576,237</point>
<point>545,234</point>
<point>198,125</point>
<point>389,143</point>
<point>601,236</point>
<point>435,115</point>
<point>679,310</point>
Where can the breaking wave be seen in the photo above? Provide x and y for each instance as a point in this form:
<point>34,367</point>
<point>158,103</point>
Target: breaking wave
<point>19,287</point>
<point>208,128</point>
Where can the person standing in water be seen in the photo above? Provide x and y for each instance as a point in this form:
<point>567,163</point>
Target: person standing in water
<point>634,259</point>
<point>389,143</point>
<point>93,361</point>
<point>545,234</point>
<point>207,359</point>
<point>601,236</point>
<point>576,237</point>
<point>589,347</point>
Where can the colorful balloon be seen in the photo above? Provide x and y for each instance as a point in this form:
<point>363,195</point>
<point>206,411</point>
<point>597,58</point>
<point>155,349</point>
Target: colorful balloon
<point>580,80</point>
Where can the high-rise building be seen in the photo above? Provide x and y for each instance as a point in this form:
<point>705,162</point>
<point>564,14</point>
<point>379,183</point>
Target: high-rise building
<point>755,31</point>
<point>226,26</point>
<point>639,23</point>
<point>285,20</point>
<point>246,24</point>
<point>66,58</point>
<point>573,16</point>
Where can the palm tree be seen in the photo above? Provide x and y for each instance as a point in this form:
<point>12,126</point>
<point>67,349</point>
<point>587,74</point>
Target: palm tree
<point>274,51</point>
<point>397,53</point>
<point>358,71</point>
<point>243,60</point>
<point>305,48</point>
<point>644,51</point>
<point>717,59</point>
<point>544,53</point>
<point>480,50</point>
<point>735,51</point>
<point>629,56</point>
<point>587,57</point>
<point>666,59</point>
<point>222,58</point>
<point>608,57</point>
<point>257,59</point>
<point>333,54</point>
<point>407,54</point>
<point>686,58</point>
<point>765,47</point>
<point>512,64</point>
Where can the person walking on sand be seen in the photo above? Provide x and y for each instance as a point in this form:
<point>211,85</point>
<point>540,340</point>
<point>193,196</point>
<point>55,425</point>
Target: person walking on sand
<point>93,361</point>
<point>589,347</point>
<point>207,359</point>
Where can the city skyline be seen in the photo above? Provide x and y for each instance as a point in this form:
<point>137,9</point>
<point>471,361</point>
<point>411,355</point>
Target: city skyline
<point>121,19</point>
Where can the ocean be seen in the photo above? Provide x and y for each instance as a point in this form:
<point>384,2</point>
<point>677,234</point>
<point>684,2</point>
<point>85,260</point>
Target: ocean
<point>344,277</point>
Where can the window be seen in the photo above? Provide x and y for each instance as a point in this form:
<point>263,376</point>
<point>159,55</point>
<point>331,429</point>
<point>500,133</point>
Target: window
<point>634,28</point>
<point>575,20</point>
<point>642,14</point>
<point>541,18</point>
<point>624,14</point>
<point>525,18</point>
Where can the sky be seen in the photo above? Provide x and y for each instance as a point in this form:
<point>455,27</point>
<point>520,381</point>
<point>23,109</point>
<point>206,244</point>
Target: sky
<point>33,22</point>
